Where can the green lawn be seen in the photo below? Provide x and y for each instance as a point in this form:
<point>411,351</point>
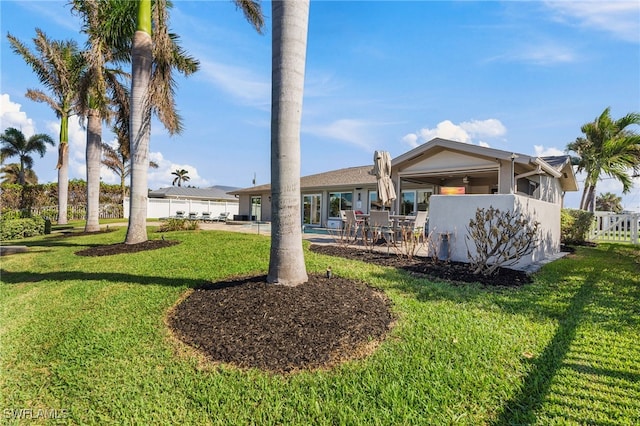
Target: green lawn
<point>85,336</point>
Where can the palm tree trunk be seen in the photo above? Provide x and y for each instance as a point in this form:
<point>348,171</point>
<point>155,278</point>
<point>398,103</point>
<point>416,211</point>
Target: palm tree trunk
<point>63,170</point>
<point>583,200</point>
<point>142,57</point>
<point>290,23</point>
<point>93,154</point>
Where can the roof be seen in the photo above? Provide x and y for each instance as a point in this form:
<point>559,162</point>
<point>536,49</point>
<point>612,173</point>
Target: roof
<point>556,166</point>
<point>218,192</point>
<point>562,163</point>
<point>349,177</point>
<point>439,143</point>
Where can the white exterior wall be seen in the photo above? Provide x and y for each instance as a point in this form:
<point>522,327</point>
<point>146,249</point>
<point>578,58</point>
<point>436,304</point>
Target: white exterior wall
<point>167,207</point>
<point>451,214</point>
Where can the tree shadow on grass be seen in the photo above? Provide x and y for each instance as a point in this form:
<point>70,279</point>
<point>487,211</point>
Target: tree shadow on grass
<point>522,408</point>
<point>31,277</point>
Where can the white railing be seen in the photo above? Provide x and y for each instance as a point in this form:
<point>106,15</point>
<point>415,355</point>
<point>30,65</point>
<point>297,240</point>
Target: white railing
<point>613,227</point>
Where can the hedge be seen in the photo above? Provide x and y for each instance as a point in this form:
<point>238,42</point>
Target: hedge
<point>15,229</point>
<point>575,225</point>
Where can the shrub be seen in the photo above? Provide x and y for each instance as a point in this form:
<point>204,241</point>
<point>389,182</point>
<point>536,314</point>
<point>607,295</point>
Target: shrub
<point>501,238</point>
<point>575,225</point>
<point>14,229</point>
<point>173,224</point>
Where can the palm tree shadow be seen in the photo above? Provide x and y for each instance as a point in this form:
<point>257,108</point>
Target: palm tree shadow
<point>521,409</point>
<point>30,277</point>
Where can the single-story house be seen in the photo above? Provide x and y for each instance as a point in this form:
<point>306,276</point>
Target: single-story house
<point>448,179</point>
<point>166,202</point>
<point>213,193</point>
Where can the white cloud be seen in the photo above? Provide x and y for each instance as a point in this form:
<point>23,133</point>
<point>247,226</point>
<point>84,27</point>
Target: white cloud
<point>162,177</point>
<point>541,151</point>
<point>544,53</point>
<point>12,116</point>
<point>77,146</point>
<point>352,131</point>
<point>239,82</point>
<point>619,18</point>
<point>467,132</point>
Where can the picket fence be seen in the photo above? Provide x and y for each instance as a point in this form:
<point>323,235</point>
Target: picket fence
<point>608,226</point>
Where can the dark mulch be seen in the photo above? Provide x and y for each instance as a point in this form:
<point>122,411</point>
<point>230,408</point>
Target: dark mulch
<point>455,272</point>
<point>119,248</point>
<point>252,324</point>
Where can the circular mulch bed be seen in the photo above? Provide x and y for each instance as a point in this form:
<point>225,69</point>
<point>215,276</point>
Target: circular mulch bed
<point>120,248</point>
<point>251,324</point>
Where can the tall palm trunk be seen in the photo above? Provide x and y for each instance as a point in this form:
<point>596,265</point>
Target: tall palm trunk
<point>93,154</point>
<point>63,170</point>
<point>289,44</point>
<point>141,61</point>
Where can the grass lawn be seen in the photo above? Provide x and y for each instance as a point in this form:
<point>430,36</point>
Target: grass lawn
<point>86,336</point>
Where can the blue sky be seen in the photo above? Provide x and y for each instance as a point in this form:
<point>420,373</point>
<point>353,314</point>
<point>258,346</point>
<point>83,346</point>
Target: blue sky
<point>517,76</point>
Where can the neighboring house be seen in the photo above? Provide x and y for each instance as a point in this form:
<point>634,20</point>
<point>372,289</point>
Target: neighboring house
<point>448,179</point>
<point>213,193</point>
<point>166,202</point>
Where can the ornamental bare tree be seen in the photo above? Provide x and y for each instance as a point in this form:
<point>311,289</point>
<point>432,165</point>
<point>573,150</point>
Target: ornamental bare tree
<point>501,238</point>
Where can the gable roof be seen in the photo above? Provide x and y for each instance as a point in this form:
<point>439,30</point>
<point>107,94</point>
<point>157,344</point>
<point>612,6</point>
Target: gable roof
<point>218,192</point>
<point>348,177</point>
<point>439,144</point>
<point>562,163</point>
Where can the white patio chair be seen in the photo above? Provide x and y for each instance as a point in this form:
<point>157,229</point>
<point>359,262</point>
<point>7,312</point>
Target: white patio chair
<point>381,226</point>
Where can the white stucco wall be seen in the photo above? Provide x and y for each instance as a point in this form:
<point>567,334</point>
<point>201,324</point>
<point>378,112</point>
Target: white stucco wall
<point>167,207</point>
<point>451,214</point>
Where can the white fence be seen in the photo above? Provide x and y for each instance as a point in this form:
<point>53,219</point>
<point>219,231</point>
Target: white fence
<point>167,207</point>
<point>613,227</point>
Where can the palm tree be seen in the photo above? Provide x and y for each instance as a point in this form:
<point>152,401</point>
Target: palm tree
<point>14,144</point>
<point>117,160</point>
<point>58,65</point>
<point>181,175</point>
<point>609,148</point>
<point>99,85</point>
<point>13,173</point>
<point>289,44</point>
<point>609,202</point>
<point>152,91</point>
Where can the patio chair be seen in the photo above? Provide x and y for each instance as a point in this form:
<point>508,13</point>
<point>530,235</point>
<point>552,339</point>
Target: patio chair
<point>352,224</point>
<point>419,226</point>
<point>180,214</point>
<point>380,227</point>
<point>193,215</point>
<point>222,217</point>
<point>206,217</point>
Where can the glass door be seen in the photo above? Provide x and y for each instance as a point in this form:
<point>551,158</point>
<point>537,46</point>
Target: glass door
<point>256,208</point>
<point>311,209</point>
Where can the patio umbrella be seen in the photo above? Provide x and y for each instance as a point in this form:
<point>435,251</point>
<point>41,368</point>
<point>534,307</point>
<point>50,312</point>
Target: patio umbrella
<point>382,171</point>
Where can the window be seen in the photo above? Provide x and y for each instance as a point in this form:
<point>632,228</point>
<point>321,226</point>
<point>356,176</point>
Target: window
<point>408,202</point>
<point>339,201</point>
<point>311,204</point>
<point>374,203</point>
<point>423,199</point>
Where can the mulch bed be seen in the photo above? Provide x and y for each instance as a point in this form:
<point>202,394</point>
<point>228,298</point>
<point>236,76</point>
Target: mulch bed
<point>251,324</point>
<point>455,272</point>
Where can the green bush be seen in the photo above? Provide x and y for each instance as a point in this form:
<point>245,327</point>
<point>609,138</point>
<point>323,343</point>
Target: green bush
<point>575,225</point>
<point>174,224</point>
<point>15,229</point>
